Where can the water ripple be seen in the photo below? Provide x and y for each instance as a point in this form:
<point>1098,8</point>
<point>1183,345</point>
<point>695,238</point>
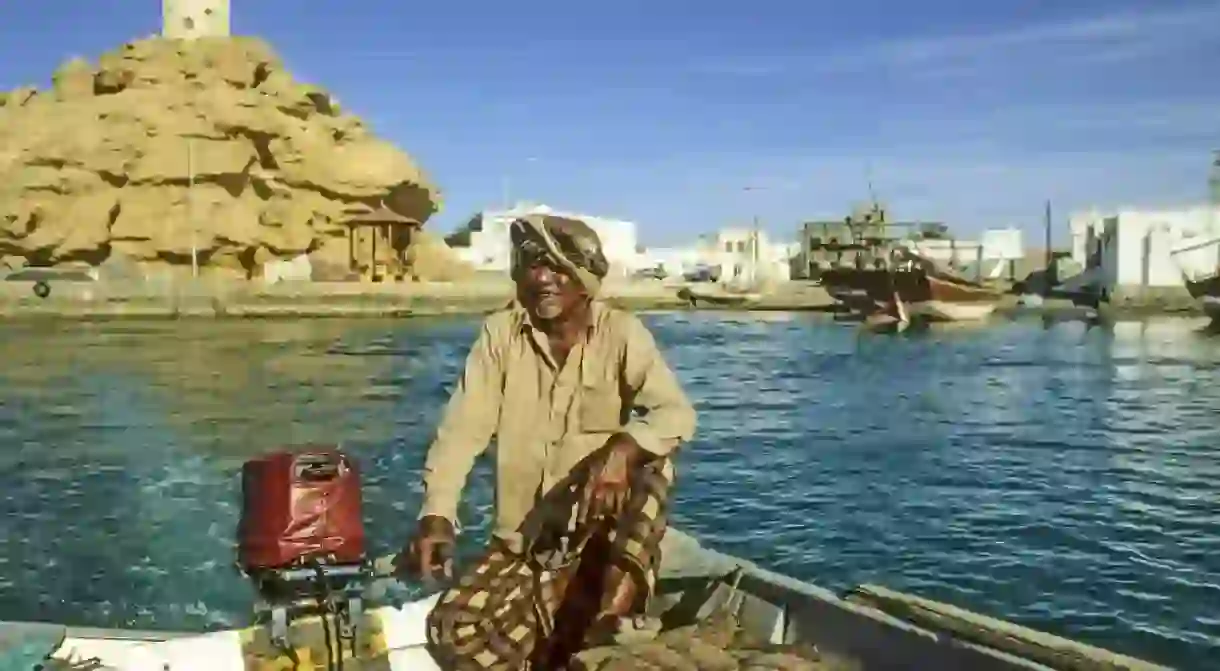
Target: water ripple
<point>1064,478</point>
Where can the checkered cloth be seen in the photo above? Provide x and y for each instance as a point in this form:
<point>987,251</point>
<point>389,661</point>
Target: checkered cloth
<point>501,615</point>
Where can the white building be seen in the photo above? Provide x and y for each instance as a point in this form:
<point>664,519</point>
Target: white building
<point>748,255</point>
<point>672,261</point>
<point>990,254</point>
<point>1131,249</point>
<point>484,242</point>
<point>733,254</point>
<point>191,19</point>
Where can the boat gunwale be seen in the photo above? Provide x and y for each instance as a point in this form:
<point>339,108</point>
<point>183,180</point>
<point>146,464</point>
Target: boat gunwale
<point>789,593</point>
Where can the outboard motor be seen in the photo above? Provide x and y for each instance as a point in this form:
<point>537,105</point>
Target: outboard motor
<point>301,540</point>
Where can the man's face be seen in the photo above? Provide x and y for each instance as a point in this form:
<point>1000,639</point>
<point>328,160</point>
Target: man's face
<point>546,291</point>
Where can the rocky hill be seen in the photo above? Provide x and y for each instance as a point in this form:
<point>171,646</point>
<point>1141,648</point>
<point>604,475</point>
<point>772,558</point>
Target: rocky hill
<point>97,166</point>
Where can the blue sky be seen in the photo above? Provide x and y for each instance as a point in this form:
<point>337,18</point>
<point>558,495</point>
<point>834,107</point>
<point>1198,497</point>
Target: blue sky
<point>662,111</point>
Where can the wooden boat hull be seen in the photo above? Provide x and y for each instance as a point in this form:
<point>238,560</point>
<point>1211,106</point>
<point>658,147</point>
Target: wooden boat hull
<point>1211,307</point>
<point>948,311</point>
<point>694,298</point>
<point>1199,263</point>
<point>926,296</point>
<point>876,629</point>
<point>1207,292</point>
<point>1204,288</point>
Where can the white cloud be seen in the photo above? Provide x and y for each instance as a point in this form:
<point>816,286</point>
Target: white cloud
<point>1011,125</point>
<point>970,188</point>
<point>1146,29</point>
<point>1096,40</point>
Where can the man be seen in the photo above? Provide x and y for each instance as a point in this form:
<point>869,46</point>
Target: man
<point>585,413</point>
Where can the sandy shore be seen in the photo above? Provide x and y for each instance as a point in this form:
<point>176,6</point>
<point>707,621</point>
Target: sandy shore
<point>80,300</point>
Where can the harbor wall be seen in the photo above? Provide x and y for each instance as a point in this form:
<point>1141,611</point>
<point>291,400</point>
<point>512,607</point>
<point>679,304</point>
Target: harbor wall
<point>107,300</point>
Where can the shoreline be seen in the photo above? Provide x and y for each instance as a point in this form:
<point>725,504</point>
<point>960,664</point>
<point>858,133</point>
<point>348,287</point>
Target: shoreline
<point>88,302</point>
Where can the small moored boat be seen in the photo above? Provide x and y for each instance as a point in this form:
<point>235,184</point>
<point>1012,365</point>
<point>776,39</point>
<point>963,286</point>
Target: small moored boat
<point>719,298</point>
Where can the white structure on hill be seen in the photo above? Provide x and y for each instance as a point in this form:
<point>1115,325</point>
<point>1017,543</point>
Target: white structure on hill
<point>1131,249</point>
<point>484,241</point>
<point>191,19</point>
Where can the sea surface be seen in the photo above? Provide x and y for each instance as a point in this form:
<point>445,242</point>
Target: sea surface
<point>1063,477</point>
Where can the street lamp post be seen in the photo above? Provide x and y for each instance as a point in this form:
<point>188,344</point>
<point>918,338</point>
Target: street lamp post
<point>754,239</point>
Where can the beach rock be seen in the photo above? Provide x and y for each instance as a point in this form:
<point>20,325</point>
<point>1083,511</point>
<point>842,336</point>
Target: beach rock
<point>431,260</point>
<point>104,163</point>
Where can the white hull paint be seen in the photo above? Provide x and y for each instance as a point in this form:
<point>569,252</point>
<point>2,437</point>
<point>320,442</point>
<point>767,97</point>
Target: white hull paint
<point>945,311</point>
<point>404,630</point>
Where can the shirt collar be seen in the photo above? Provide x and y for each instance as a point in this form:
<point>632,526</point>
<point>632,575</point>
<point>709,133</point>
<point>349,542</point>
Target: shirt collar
<point>526,325</point>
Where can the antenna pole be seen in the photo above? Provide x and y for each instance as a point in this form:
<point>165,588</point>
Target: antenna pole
<point>1213,180</point>
<point>868,177</point>
<point>1050,255</point>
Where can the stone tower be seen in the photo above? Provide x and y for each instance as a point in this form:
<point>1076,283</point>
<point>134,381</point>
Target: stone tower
<point>189,19</point>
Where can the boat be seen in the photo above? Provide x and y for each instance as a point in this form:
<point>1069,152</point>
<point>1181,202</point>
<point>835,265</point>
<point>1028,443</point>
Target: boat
<point>879,267</point>
<point>868,628</point>
<point>939,295</point>
<point>1207,292</point>
<point>719,298</point>
<point>1198,256</point>
<point>1199,263</point>
<point>928,292</point>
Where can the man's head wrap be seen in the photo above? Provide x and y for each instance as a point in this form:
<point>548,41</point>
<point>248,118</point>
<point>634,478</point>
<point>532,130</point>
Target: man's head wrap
<point>570,244</point>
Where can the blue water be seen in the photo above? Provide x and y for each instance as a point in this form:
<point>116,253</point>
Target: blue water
<point>1064,478</point>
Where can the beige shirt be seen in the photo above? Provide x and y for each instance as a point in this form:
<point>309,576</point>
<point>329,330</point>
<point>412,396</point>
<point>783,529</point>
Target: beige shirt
<point>545,418</point>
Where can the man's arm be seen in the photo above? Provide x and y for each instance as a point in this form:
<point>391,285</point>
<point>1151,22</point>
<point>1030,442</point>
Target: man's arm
<point>669,418</point>
<point>466,428</point>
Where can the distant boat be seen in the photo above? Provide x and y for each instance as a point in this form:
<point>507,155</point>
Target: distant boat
<point>719,297</point>
<point>928,292</point>
<point>1208,294</point>
<point>881,267</point>
<point>1199,263</point>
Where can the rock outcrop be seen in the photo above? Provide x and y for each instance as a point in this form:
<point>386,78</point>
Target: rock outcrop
<point>102,163</point>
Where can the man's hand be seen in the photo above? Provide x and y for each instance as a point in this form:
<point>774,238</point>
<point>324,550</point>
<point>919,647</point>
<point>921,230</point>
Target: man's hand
<point>429,550</point>
<point>610,471</point>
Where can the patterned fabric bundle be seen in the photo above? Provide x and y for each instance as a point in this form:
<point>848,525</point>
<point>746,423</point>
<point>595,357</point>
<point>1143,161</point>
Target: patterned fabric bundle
<point>515,612</point>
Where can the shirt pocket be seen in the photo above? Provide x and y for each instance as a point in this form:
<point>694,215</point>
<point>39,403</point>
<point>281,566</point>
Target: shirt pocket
<point>601,407</point>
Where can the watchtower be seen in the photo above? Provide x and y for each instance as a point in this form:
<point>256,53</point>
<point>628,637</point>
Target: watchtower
<point>190,19</point>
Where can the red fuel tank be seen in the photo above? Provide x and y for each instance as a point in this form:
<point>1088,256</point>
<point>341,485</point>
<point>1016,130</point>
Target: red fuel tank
<point>299,505</point>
